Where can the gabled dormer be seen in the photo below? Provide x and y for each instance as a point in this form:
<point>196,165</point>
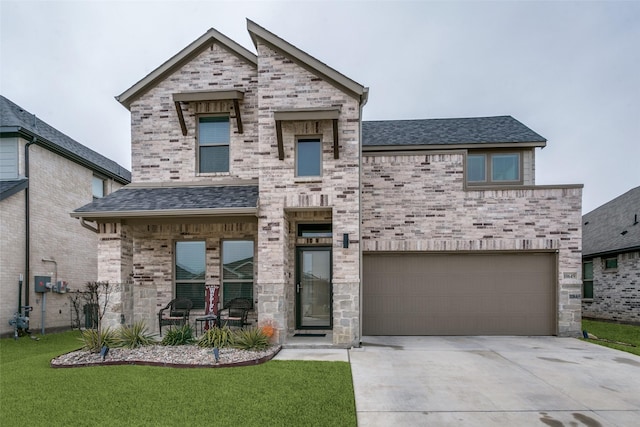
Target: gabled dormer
<point>194,118</point>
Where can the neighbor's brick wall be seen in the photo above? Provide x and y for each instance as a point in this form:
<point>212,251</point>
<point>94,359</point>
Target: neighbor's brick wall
<point>57,186</point>
<point>282,84</point>
<point>160,153</point>
<point>616,293</point>
<point>12,227</point>
<point>417,203</point>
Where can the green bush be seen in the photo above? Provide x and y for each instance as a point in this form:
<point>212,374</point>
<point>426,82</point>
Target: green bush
<point>134,336</point>
<point>93,342</point>
<point>250,339</point>
<point>179,336</point>
<point>216,337</point>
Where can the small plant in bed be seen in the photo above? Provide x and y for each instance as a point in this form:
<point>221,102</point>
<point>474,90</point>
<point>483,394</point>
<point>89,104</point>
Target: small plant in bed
<point>134,336</point>
<point>179,336</point>
<point>250,339</point>
<point>216,338</point>
<point>93,340</point>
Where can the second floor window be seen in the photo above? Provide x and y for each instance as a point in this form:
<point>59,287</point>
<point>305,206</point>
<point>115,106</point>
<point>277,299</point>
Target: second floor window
<point>213,144</point>
<point>309,157</point>
<point>8,158</point>
<point>97,187</point>
<point>493,168</point>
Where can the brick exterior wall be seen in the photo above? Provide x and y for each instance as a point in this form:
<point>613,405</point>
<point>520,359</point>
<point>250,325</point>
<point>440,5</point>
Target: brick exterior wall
<point>283,84</point>
<point>57,187</point>
<point>616,293</point>
<point>418,203</point>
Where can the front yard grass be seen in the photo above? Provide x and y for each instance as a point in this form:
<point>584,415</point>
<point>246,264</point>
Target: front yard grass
<point>614,332</point>
<point>272,394</point>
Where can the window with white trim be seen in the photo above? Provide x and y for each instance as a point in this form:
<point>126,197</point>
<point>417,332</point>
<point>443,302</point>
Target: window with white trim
<point>8,158</point>
<point>97,187</point>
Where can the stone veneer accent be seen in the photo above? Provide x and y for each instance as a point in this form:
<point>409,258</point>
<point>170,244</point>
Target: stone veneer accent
<point>616,293</point>
<point>418,203</point>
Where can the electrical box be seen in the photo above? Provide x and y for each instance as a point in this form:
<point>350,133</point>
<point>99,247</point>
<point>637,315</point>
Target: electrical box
<point>42,283</point>
<point>61,287</point>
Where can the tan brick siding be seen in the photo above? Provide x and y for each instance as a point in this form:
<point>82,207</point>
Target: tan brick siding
<point>418,203</point>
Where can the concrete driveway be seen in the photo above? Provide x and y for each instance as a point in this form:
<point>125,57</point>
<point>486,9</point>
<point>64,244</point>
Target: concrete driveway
<point>494,381</point>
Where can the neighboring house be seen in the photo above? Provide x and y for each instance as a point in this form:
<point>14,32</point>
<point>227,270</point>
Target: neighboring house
<point>392,227</point>
<point>611,260</point>
<point>43,175</point>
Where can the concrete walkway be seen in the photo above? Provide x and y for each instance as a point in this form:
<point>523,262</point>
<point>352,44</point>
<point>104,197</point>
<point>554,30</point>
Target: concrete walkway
<point>494,381</point>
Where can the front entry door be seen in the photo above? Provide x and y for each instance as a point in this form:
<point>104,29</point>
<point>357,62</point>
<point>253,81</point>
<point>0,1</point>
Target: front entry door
<point>313,288</point>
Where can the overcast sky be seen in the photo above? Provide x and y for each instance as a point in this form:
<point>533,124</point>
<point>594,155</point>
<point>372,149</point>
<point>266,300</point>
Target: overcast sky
<point>568,70</point>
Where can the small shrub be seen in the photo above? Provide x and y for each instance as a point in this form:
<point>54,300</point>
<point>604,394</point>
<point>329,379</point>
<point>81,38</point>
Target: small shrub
<point>93,342</point>
<point>134,336</point>
<point>179,336</point>
<point>250,339</point>
<point>216,337</point>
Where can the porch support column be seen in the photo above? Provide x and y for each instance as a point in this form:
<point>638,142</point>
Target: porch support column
<point>273,269</point>
<point>115,265</point>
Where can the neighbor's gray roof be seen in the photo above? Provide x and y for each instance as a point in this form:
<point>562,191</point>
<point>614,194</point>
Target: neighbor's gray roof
<point>474,130</point>
<point>171,200</point>
<point>9,188</point>
<point>603,227</point>
<point>16,120</point>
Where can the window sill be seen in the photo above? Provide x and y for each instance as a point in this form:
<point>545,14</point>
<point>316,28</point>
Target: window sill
<point>587,300</point>
<point>307,179</point>
<point>213,174</point>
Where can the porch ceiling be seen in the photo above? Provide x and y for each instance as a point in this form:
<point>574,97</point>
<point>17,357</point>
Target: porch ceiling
<point>237,200</point>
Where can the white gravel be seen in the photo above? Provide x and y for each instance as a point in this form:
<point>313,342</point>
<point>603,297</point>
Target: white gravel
<point>182,355</point>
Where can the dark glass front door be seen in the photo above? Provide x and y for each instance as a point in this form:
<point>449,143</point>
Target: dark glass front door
<point>313,288</point>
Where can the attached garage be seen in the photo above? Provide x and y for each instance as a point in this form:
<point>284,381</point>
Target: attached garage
<point>459,294</point>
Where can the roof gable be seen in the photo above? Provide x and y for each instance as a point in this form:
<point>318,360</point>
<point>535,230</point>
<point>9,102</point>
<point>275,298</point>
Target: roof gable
<point>15,120</point>
<point>448,132</point>
<point>308,62</point>
<point>127,97</point>
<point>613,227</point>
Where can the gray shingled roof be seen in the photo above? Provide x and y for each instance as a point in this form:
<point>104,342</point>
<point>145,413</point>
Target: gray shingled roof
<point>15,119</point>
<point>474,130</point>
<point>174,198</point>
<point>9,188</point>
<point>603,227</point>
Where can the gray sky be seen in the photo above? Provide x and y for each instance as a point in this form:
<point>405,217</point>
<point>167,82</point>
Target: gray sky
<point>568,70</point>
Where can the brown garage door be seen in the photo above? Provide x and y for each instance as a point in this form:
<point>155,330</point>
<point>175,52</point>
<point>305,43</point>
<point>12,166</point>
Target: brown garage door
<point>459,294</point>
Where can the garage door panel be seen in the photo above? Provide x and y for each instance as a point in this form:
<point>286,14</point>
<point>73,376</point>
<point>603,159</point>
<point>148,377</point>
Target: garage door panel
<point>459,294</point>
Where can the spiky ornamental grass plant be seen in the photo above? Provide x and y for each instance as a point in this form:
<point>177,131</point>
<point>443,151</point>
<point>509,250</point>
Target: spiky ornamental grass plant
<point>93,340</point>
<point>134,336</point>
<point>250,339</point>
<point>216,338</point>
<point>179,336</point>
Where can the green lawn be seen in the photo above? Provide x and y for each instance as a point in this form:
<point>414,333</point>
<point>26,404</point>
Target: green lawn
<point>301,393</point>
<point>614,332</point>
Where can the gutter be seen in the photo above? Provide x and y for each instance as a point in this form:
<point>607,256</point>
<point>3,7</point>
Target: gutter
<point>611,252</point>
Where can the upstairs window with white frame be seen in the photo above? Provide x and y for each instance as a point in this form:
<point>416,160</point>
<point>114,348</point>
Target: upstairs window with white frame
<point>308,157</point>
<point>213,144</point>
<point>494,168</point>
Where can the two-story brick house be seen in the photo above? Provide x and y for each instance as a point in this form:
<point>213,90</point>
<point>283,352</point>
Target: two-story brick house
<point>255,172</point>
<point>43,175</point>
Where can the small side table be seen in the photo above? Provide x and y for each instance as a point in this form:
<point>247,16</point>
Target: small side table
<point>208,318</point>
